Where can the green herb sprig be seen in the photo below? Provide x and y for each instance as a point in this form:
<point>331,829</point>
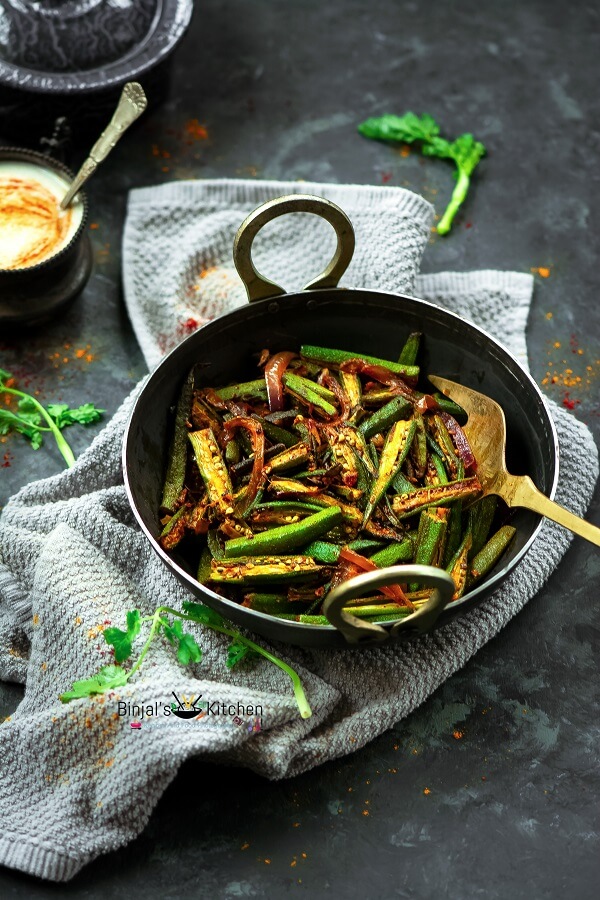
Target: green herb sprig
<point>423,130</point>
<point>114,676</point>
<point>31,414</point>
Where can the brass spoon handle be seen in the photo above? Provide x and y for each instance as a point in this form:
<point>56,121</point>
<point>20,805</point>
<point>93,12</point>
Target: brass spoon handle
<point>519,490</point>
<point>132,104</point>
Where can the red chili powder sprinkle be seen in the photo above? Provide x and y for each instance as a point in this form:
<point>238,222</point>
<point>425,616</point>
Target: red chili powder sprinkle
<point>568,402</point>
<point>385,177</point>
<point>6,460</point>
<point>194,130</point>
<point>542,271</point>
<point>457,735</point>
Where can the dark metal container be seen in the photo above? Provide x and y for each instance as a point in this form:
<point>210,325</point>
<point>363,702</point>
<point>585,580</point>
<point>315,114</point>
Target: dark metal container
<point>365,321</point>
<point>33,294</point>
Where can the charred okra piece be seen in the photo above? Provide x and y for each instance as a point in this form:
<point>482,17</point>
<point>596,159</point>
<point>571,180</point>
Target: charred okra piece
<point>290,457</point>
<point>263,570</point>
<point>481,516</point>
<point>431,538</point>
<point>174,530</point>
<point>405,505</point>
<point>287,537</point>
<point>394,452</point>
<point>212,468</point>
<point>458,567</point>
<point>175,476</point>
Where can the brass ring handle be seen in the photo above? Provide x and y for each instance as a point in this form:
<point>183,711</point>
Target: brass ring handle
<point>357,631</point>
<point>257,286</point>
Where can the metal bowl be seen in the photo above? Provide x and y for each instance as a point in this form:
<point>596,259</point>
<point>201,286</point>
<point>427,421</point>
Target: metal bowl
<point>371,322</point>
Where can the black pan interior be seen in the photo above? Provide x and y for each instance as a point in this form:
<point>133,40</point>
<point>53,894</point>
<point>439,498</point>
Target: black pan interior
<point>370,322</point>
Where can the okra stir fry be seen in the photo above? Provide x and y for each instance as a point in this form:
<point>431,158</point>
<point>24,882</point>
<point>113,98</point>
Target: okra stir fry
<point>329,464</point>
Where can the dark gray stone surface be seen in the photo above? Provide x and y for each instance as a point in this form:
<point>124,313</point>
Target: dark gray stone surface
<point>490,789</point>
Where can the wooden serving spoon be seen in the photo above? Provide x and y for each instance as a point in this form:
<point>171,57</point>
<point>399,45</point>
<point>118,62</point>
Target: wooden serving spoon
<point>486,433</point>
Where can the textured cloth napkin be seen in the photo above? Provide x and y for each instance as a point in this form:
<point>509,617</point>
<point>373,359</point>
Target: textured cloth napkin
<point>77,780</point>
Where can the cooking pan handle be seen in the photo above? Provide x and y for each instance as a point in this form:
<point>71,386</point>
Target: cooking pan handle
<point>358,631</point>
<point>258,287</point>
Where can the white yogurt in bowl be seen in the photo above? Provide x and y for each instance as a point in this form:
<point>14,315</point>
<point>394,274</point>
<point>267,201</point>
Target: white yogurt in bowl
<point>33,227</point>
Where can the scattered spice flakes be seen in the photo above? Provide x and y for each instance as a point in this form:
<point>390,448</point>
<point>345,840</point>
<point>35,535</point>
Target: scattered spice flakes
<point>542,271</point>
<point>194,131</point>
<point>549,315</point>
<point>457,735</point>
<point>426,791</point>
<point>293,863</point>
<point>385,177</point>
<point>245,846</point>
<point>36,619</point>
<point>365,812</point>
<point>6,460</point>
<point>93,227</point>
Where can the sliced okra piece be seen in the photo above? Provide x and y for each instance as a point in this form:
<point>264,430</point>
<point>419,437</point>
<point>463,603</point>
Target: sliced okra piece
<point>407,504</point>
<point>176,464</point>
<point>444,441</point>
<point>272,603</point>
<point>401,484</point>
<point>246,465</point>
<point>491,553</point>
<point>269,515</point>
<point>276,433</point>
<point>378,397</point>
<point>212,468</point>
<point>449,406</point>
<point>410,351</point>
<point>380,421</point>
<point>396,447</point>
<point>343,454</point>
<point>480,517</point>
<point>283,418</point>
<point>458,567</point>
<point>174,530</point>
<point>352,495</point>
<point>287,537</point>
<point>455,535</point>
<point>233,452</point>
<point>304,390</point>
<point>431,539</point>
<point>289,458</point>
<point>418,449</point>
<point>325,552</point>
<point>365,612</point>
<point>203,573</point>
<point>394,553</point>
<point>353,389</point>
<point>350,514</point>
<point>331,357</point>
<point>246,390</point>
<point>263,570</point>
<point>435,472</point>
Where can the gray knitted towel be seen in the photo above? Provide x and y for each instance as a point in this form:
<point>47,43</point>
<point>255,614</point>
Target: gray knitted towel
<point>77,780</point>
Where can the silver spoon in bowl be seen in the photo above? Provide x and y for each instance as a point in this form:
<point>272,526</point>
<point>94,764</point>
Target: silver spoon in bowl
<point>131,105</point>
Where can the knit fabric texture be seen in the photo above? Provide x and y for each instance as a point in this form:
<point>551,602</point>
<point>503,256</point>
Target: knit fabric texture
<point>77,780</point>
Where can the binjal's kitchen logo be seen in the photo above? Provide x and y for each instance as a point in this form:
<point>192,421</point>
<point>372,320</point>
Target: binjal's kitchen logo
<point>191,708</point>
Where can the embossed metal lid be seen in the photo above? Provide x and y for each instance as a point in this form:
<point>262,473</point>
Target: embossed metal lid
<point>74,46</point>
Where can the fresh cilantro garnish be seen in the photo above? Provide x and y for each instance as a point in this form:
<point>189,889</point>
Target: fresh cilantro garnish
<point>188,650</point>
<point>465,151</point>
<point>122,641</point>
<point>237,651</point>
<point>108,677</point>
<point>30,415</point>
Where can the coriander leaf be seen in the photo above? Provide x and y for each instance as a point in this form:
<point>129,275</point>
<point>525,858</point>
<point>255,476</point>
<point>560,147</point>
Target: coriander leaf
<point>133,623</point>
<point>119,641</point>
<point>122,641</point>
<point>108,677</point>
<point>187,649</point>
<point>200,613</point>
<point>406,128</point>
<point>84,415</point>
<point>4,376</point>
<point>237,651</point>
<point>465,151</point>
<point>23,424</point>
